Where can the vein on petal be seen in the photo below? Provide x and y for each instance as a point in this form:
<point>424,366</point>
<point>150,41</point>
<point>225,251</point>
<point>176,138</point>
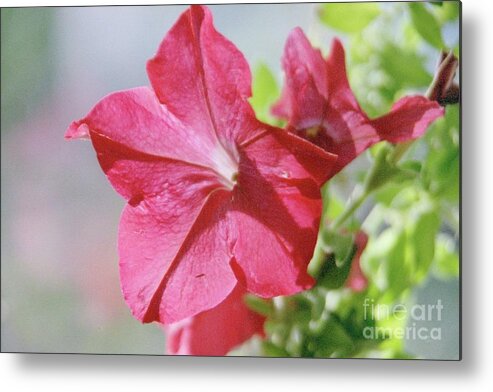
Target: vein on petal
<point>200,59</point>
<point>154,157</point>
<point>155,302</point>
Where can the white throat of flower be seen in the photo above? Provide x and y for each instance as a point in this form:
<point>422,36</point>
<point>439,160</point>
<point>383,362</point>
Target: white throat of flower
<point>226,164</point>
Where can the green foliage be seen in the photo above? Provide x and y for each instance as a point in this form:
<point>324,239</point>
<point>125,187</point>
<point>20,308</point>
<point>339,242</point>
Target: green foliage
<point>441,168</point>
<point>385,170</point>
<point>333,206</point>
<point>422,231</point>
<point>337,263</point>
<point>383,68</point>
<point>318,323</point>
<point>264,93</point>
<point>426,24</point>
<point>348,18</point>
<point>259,305</point>
<point>406,67</point>
<point>446,261</point>
<point>449,11</point>
<point>386,262</point>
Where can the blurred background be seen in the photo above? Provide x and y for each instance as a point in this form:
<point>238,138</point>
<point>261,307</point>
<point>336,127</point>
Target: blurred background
<point>59,216</point>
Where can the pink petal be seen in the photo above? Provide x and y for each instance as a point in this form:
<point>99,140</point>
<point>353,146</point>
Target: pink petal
<point>172,268</point>
<point>408,119</point>
<point>77,131</point>
<point>283,108</point>
<point>203,78</point>
<point>276,212</point>
<point>303,99</point>
<point>357,280</point>
<point>340,94</point>
<point>174,257</point>
<point>136,119</point>
<point>332,118</point>
<point>216,331</point>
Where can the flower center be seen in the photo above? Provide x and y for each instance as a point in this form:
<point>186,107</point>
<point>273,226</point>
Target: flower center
<point>311,133</point>
<point>226,164</point>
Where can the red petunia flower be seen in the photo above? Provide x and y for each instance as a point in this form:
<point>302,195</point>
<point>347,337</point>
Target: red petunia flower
<point>214,196</point>
<point>357,280</point>
<point>216,331</point>
<point>319,105</point>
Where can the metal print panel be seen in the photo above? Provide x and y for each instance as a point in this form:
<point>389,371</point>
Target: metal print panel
<point>277,180</point>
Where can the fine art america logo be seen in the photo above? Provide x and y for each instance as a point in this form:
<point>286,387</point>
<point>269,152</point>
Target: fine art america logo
<point>418,315</point>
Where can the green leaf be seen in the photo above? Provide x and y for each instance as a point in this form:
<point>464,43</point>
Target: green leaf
<point>411,166</point>
<point>350,17</point>
<point>446,261</point>
<point>442,165</point>
<point>386,262</point>
<point>335,207</point>
<point>294,343</point>
<point>408,197</point>
<point>387,193</point>
<point>384,171</point>
<point>381,172</point>
<point>332,276</point>
<point>272,350</point>
<point>405,69</point>
<point>339,244</point>
<point>264,93</point>
<point>447,174</point>
<point>421,240</point>
<point>449,11</point>
<point>426,25</point>
<point>334,341</point>
<point>396,264</point>
<point>259,305</point>
<point>338,251</point>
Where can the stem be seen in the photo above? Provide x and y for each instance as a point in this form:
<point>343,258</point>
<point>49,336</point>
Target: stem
<point>443,79</point>
<point>441,90</point>
<point>317,262</point>
<point>399,151</point>
<point>354,204</point>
